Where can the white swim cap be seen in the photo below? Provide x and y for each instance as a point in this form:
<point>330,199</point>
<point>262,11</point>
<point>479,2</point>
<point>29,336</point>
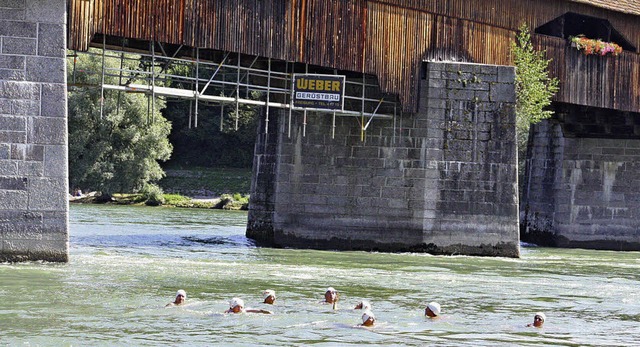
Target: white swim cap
<point>544,318</point>
<point>366,315</point>
<point>267,293</point>
<point>236,302</point>
<point>365,305</point>
<point>181,292</point>
<point>434,307</point>
<point>331,289</point>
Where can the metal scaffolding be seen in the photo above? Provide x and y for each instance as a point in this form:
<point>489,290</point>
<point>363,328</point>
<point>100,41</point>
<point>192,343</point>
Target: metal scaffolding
<point>228,79</point>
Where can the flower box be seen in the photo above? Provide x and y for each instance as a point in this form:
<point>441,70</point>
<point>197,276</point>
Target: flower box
<point>594,46</point>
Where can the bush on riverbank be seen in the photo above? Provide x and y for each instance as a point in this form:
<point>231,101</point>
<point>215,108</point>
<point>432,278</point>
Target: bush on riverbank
<point>233,202</point>
<point>225,202</point>
<point>152,195</point>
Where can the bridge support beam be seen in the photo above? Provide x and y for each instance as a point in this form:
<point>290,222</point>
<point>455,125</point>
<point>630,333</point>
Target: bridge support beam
<point>33,131</point>
<point>443,180</point>
<point>581,186</point>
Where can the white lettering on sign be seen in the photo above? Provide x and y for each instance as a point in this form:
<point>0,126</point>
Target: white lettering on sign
<point>317,96</point>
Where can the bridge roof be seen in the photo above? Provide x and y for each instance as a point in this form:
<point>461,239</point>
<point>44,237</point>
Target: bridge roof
<point>626,6</point>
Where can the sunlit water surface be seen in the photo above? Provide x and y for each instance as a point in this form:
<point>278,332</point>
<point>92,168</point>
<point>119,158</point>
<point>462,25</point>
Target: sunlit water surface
<point>126,263</point>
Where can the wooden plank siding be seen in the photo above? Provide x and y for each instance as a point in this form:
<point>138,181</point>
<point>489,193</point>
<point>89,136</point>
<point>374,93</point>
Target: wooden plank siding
<point>387,38</point>
<point>606,82</point>
<point>509,14</point>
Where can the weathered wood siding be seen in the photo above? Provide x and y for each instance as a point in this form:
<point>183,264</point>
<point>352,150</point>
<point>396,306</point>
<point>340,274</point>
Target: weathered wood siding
<point>606,82</point>
<point>388,38</point>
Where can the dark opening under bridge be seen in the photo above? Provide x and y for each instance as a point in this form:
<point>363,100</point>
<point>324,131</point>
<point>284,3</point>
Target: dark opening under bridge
<point>425,160</point>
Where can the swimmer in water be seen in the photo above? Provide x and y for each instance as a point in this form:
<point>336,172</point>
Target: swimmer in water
<point>538,320</point>
<point>432,310</point>
<point>368,318</point>
<point>330,296</point>
<point>181,296</point>
<point>236,305</point>
<point>269,296</point>
<point>363,305</point>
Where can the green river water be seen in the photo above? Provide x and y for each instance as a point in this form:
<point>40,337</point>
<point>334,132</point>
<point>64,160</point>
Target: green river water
<point>126,263</point>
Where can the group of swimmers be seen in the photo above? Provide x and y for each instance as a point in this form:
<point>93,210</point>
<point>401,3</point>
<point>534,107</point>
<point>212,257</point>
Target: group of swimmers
<point>236,305</point>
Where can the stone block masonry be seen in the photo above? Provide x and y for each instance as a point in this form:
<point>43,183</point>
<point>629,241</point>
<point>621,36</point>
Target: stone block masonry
<point>443,180</point>
<point>33,131</point>
<point>582,183</point>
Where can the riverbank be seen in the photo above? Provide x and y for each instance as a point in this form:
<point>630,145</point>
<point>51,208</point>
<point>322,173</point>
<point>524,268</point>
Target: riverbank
<point>197,187</point>
<point>206,183</point>
<point>223,202</point>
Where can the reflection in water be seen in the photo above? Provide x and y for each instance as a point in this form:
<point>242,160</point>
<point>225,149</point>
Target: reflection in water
<point>127,263</point>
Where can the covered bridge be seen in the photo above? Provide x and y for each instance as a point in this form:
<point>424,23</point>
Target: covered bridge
<point>597,106</point>
<point>433,169</point>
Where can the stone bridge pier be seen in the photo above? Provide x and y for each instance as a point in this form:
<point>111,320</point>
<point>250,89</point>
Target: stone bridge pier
<point>582,184</point>
<point>33,131</point>
<point>443,180</point>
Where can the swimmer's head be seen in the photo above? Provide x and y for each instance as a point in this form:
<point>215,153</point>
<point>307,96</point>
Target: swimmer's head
<point>269,296</point>
<point>364,305</point>
<point>236,305</point>
<point>539,319</point>
<point>331,295</point>
<point>181,296</point>
<point>432,310</point>
<point>368,318</point>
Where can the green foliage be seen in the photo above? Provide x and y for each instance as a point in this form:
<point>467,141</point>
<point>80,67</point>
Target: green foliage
<point>199,204</point>
<point>176,199</point>
<point>152,194</point>
<point>118,151</point>
<point>534,90</point>
<point>224,200</point>
<point>233,202</point>
<point>236,205</point>
<point>534,87</point>
<point>131,198</point>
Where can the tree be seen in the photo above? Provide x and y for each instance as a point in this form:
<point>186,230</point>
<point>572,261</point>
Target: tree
<point>534,88</point>
<point>119,150</point>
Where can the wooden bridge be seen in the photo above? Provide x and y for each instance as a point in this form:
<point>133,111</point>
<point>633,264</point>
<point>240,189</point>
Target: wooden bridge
<point>385,38</point>
<point>390,40</point>
<point>438,175</point>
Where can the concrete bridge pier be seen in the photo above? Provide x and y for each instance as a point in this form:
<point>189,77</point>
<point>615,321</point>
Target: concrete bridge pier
<point>443,180</point>
<point>33,131</point>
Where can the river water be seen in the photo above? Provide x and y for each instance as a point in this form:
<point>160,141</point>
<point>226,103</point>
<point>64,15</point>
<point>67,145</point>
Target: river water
<point>126,263</point>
